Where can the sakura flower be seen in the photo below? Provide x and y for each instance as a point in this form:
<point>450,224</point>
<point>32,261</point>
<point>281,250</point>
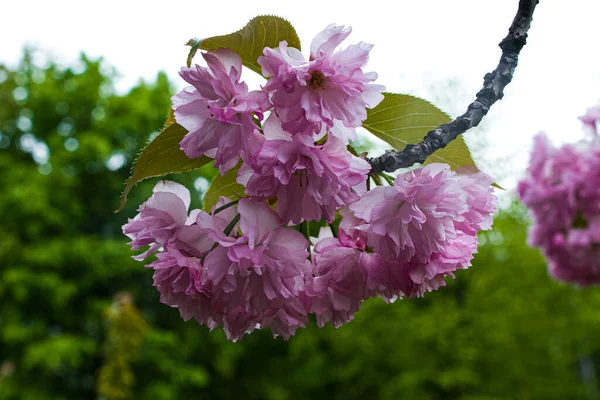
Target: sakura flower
<point>414,217</point>
<point>550,188</point>
<point>218,110</point>
<point>481,202</point>
<point>575,256</point>
<point>259,274</point>
<point>311,181</point>
<point>562,191</point>
<point>159,218</point>
<point>339,284</point>
<point>393,278</point>
<point>349,230</point>
<point>310,95</point>
<point>241,280</point>
<point>427,277</point>
<point>418,231</point>
<point>180,280</point>
<point>179,271</point>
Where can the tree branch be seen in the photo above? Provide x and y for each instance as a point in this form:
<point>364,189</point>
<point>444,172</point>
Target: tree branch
<point>493,90</point>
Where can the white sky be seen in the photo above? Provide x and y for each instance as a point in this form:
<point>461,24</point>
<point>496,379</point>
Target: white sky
<point>436,49</point>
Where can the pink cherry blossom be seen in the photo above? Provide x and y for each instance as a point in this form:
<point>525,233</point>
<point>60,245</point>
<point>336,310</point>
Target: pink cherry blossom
<point>575,256</point>
<point>218,110</point>
<point>260,274</point>
<point>339,283</point>
<point>562,191</point>
<point>179,279</point>
<point>251,278</point>
<point>159,218</point>
<point>481,202</point>
<point>310,181</point>
<point>414,217</point>
<point>310,95</point>
<point>349,230</point>
<point>393,278</point>
<point>426,277</point>
<point>549,190</point>
<point>180,274</point>
<point>420,230</point>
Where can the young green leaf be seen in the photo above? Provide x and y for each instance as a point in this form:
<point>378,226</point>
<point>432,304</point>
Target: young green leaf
<point>222,186</point>
<point>401,119</point>
<point>249,42</point>
<point>161,156</point>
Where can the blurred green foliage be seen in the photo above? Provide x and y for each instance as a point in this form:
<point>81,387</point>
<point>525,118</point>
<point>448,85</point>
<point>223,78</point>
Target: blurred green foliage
<point>126,333</point>
<point>79,319</point>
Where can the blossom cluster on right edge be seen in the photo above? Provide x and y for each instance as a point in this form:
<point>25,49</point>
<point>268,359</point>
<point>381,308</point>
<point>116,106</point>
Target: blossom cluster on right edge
<point>562,191</point>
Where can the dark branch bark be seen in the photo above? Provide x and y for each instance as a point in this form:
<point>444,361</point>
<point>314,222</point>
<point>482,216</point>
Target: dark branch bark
<point>493,90</point>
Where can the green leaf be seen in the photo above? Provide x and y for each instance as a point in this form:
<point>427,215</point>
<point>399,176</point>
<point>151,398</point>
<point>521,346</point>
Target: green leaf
<point>161,156</point>
<point>222,186</point>
<point>401,119</point>
<point>249,42</point>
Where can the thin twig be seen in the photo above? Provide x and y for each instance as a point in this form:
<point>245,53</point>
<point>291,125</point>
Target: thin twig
<point>493,90</point>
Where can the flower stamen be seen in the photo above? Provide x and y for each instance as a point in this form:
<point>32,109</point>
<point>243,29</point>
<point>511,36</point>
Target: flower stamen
<point>317,80</point>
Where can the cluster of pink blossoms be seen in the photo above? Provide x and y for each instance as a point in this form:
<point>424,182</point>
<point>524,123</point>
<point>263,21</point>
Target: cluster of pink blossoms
<point>250,263</point>
<point>239,268</point>
<point>562,191</point>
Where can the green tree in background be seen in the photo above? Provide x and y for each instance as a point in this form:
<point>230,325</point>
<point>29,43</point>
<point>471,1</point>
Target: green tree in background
<point>79,319</point>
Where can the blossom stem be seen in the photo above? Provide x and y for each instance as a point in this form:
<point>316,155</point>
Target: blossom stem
<point>376,179</point>
<point>226,206</point>
<point>256,121</point>
<point>229,227</point>
<point>492,91</point>
<point>387,178</point>
<point>334,230</point>
<point>306,232</point>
